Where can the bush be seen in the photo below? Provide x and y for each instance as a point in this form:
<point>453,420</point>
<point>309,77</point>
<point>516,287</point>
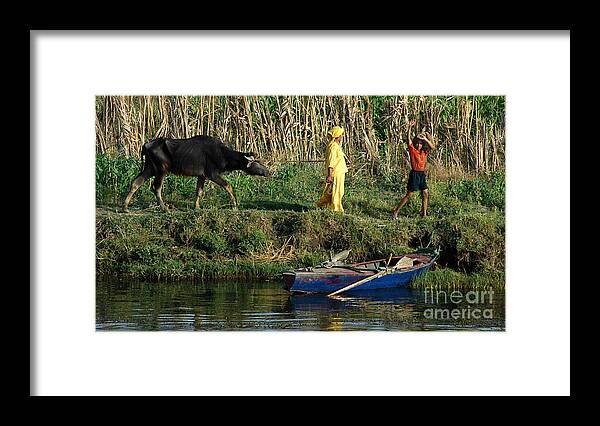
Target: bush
<point>252,241</point>
<point>487,190</point>
<point>210,242</point>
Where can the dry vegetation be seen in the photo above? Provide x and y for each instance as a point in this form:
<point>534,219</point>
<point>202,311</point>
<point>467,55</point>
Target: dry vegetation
<point>469,130</point>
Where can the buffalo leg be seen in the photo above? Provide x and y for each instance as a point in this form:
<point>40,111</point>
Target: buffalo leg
<point>222,182</point>
<point>157,188</point>
<point>199,190</point>
<point>135,185</point>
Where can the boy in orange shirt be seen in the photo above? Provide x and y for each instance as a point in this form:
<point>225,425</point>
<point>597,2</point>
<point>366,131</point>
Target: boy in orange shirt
<point>418,149</point>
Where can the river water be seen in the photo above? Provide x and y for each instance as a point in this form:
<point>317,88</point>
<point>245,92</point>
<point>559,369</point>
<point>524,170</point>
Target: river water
<point>266,306</point>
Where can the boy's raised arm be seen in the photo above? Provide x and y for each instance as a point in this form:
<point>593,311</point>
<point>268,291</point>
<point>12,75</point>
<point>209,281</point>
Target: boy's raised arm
<point>427,141</point>
<point>411,123</point>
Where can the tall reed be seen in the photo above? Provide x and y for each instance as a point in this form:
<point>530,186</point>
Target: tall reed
<point>468,130</point>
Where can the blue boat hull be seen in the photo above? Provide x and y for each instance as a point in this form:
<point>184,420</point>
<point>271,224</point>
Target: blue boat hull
<point>321,280</point>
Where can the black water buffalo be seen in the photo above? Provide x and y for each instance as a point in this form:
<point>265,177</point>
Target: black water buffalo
<point>202,156</point>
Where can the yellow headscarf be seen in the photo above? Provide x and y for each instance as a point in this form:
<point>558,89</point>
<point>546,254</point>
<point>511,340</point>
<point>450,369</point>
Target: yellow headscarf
<point>335,132</point>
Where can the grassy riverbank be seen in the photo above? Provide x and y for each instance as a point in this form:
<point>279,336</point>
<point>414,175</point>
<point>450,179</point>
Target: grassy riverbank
<point>278,227</point>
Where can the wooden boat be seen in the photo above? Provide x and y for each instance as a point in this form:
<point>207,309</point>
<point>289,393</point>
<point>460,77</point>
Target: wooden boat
<point>327,279</point>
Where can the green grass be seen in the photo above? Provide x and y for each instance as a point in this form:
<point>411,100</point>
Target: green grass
<point>278,227</point>
<point>440,277</point>
<point>486,189</point>
<point>296,187</point>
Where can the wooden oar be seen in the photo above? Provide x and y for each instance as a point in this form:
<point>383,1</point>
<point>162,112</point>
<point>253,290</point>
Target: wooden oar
<point>399,264</point>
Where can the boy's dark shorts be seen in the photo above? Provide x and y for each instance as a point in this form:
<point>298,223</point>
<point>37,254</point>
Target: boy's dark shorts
<point>417,181</point>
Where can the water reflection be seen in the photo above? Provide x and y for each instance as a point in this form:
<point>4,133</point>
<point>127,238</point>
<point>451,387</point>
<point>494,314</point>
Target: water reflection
<point>265,306</point>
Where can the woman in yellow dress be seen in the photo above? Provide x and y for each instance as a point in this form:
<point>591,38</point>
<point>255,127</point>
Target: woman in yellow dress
<point>335,165</point>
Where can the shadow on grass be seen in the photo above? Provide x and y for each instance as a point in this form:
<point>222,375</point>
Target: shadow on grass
<point>370,209</point>
<point>274,205</point>
<point>178,205</point>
